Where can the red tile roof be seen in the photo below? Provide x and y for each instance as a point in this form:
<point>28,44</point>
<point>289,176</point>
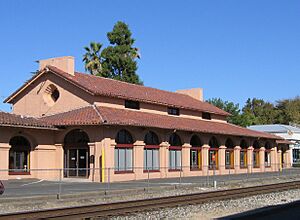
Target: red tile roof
<point>113,88</point>
<point>82,116</point>
<point>12,120</point>
<point>111,116</point>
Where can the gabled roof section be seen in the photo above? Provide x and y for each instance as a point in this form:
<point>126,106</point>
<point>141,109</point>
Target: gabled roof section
<point>95,115</point>
<point>12,120</point>
<point>117,89</point>
<point>88,115</point>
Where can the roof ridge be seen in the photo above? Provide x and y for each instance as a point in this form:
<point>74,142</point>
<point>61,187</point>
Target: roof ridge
<point>98,113</point>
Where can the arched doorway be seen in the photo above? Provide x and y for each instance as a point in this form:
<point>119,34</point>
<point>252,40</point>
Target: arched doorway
<point>195,153</point>
<point>213,153</point>
<point>256,147</point>
<point>229,154</point>
<point>268,147</point>
<point>151,152</point>
<point>175,149</point>
<point>76,154</point>
<point>19,155</point>
<point>243,154</point>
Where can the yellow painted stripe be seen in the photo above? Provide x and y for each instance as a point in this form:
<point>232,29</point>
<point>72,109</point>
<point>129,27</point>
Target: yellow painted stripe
<point>199,159</point>
<point>103,165</point>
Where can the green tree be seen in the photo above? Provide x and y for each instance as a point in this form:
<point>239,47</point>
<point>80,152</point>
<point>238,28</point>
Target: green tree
<point>230,107</point>
<point>289,111</point>
<point>92,58</point>
<point>259,112</point>
<point>119,59</point>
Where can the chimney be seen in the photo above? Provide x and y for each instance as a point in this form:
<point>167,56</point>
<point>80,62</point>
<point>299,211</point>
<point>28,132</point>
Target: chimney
<point>196,93</point>
<point>65,64</point>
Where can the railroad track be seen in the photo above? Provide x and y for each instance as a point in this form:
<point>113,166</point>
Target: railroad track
<point>126,207</point>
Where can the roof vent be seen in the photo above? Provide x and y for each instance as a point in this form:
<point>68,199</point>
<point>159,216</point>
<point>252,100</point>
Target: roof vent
<point>65,64</point>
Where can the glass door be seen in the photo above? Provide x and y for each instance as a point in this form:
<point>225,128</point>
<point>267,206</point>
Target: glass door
<point>72,166</point>
<point>77,163</point>
<point>82,156</point>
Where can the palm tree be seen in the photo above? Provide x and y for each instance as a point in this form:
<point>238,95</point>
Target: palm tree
<point>92,58</point>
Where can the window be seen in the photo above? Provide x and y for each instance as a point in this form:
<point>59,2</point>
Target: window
<point>151,159</point>
<point>213,159</point>
<point>195,159</point>
<point>173,111</point>
<point>229,154</point>
<point>175,140</point>
<point>175,152</point>
<point>124,152</point>
<point>132,104</point>
<point>51,95</point>
<point>229,164</point>
<point>268,154</point>
<point>174,159</point>
<point>256,158</point>
<point>123,159</point>
<point>124,137</point>
<point>19,155</point>
<point>267,158</point>
<point>195,153</point>
<point>206,115</point>
<point>256,147</point>
<point>151,139</point>
<point>243,154</point>
<point>213,153</point>
<point>243,158</point>
<point>55,95</point>
<point>151,152</point>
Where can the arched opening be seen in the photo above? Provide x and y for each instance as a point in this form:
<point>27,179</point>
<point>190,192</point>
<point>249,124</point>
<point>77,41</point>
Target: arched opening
<point>213,160</point>
<point>19,155</point>
<point>151,152</point>
<point>124,152</point>
<point>268,147</point>
<point>175,152</point>
<point>195,153</point>
<point>229,154</point>
<point>76,154</point>
<point>243,154</point>
<point>151,139</point>
<point>124,137</point>
<point>175,140</point>
<point>256,147</point>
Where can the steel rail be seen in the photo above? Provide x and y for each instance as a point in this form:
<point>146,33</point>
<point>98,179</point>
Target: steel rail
<point>125,207</point>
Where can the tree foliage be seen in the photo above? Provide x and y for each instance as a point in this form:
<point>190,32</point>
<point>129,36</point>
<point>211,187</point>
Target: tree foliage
<point>229,107</point>
<point>289,111</point>
<point>118,60</point>
<point>257,111</point>
<point>92,58</point>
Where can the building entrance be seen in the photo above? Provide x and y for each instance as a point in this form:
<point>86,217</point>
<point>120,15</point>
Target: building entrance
<point>76,154</point>
<point>77,163</point>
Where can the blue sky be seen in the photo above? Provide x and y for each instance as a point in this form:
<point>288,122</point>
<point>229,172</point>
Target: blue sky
<point>233,49</point>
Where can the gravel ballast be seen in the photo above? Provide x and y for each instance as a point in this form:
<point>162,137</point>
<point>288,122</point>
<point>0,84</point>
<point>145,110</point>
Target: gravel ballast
<point>219,208</point>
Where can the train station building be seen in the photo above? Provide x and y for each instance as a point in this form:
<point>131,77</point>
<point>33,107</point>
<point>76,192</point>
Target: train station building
<point>107,130</point>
